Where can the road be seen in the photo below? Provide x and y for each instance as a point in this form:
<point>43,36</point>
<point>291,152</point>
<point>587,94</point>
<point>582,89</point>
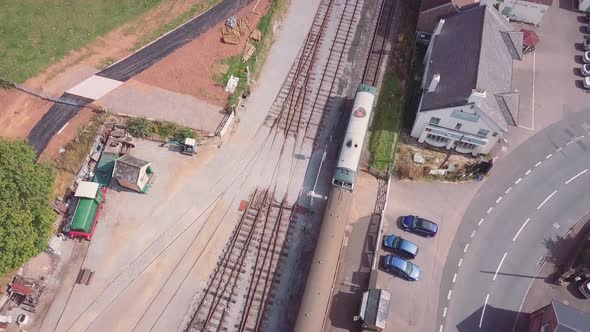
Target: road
<point>511,222</point>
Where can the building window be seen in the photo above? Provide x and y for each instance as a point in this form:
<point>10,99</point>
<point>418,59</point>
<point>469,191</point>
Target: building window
<point>436,138</point>
<point>483,132</point>
<point>458,126</point>
<point>434,121</point>
<point>466,146</point>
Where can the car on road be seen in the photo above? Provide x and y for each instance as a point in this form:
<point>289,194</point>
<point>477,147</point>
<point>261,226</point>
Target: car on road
<point>586,57</point>
<point>586,69</point>
<point>420,226</point>
<point>585,288</point>
<point>586,44</point>
<point>400,246</point>
<point>401,267</point>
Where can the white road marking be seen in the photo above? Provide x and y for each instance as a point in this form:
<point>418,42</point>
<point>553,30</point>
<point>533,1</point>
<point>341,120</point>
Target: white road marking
<point>445,312</point>
<point>441,328</point>
<point>546,199</point>
<point>62,128</point>
<point>483,311</point>
<point>449,295</point>
<point>570,142</point>
<point>460,262</point>
<point>518,181</point>
<point>466,247</point>
<point>537,164</point>
<point>572,179</point>
<point>549,156</point>
<point>521,227</point>
<point>480,221</point>
<point>499,266</point>
<point>454,277</point>
<point>499,199</point>
<point>490,209</point>
<point>555,225</point>
<point>559,149</point>
<point>508,190</point>
<point>473,234</point>
<point>527,172</point>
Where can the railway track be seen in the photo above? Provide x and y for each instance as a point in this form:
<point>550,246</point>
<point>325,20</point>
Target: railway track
<point>238,290</point>
<point>379,46</point>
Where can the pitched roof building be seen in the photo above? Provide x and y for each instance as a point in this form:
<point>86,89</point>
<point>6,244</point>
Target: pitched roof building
<point>467,84</point>
<point>558,317</point>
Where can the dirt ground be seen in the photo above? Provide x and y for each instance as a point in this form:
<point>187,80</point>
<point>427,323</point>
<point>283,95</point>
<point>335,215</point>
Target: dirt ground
<point>190,69</point>
<point>19,112</point>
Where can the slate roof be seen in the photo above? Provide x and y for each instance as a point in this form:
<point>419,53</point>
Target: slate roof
<point>472,53</point>
<point>570,319</point>
<point>127,168</point>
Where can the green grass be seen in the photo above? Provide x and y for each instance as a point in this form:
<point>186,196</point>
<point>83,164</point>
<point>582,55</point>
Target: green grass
<point>238,68</point>
<point>35,33</point>
<point>386,122</point>
<point>178,21</point>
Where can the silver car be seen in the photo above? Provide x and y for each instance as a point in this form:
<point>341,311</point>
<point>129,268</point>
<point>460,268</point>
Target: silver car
<point>586,82</point>
<point>586,57</point>
<point>586,69</point>
<point>585,288</point>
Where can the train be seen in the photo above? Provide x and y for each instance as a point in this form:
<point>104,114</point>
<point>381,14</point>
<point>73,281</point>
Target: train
<point>318,289</point>
<point>355,137</point>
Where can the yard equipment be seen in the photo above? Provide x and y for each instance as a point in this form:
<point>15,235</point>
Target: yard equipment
<point>189,147</point>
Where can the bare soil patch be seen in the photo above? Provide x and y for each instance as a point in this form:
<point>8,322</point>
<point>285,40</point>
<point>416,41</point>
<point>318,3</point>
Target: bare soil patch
<point>192,69</point>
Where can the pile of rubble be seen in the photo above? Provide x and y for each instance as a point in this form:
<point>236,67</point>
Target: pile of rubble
<point>22,295</point>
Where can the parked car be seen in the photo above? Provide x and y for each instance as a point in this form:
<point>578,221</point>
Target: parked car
<point>400,246</point>
<point>401,267</point>
<point>585,289</point>
<point>586,82</point>
<point>419,226</point>
<point>586,57</point>
<point>586,44</point>
<point>586,69</point>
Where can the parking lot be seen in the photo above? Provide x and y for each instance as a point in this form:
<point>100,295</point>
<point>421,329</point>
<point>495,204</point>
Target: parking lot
<point>444,203</point>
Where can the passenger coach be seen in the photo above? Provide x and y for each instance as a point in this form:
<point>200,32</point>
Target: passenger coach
<point>354,139</point>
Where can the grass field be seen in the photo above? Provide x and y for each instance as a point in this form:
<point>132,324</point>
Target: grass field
<point>36,33</point>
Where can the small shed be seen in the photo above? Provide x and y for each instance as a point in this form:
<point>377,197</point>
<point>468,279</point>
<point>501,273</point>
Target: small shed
<point>374,309</point>
<point>133,173</point>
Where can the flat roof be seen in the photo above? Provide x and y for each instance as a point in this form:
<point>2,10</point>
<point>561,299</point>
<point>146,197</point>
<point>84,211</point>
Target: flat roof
<point>86,189</point>
<point>190,141</point>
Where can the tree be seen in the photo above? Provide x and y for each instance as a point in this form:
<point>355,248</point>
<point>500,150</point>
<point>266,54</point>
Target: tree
<point>26,217</point>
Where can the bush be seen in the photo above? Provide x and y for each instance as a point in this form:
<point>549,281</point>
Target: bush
<point>140,127</point>
<point>184,133</point>
<point>26,217</point>
<point>165,129</point>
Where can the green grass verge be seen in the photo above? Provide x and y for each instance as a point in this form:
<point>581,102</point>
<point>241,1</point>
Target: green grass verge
<point>196,9</point>
<point>34,33</point>
<point>386,122</point>
<point>234,64</point>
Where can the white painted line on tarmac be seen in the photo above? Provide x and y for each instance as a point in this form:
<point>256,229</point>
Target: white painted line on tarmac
<point>527,172</point>
<point>572,179</point>
<point>556,226</point>
<point>499,266</point>
<point>537,164</point>
<point>549,156</point>
<point>498,200</point>
<point>460,262</point>
<point>520,230</point>
<point>441,328</point>
<point>518,181</point>
<point>508,190</point>
<point>570,142</point>
<point>490,209</point>
<point>483,311</point>
<point>546,199</point>
<point>62,128</point>
<point>445,312</point>
<point>454,277</point>
<point>473,234</point>
<point>466,247</point>
<point>450,294</point>
<point>559,149</point>
<point>480,221</point>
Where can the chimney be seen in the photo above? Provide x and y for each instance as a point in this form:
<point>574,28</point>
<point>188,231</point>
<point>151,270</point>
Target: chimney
<point>439,26</point>
<point>434,82</point>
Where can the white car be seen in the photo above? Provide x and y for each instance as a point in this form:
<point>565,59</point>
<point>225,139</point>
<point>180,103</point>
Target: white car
<point>586,69</point>
<point>587,82</point>
<point>586,57</point>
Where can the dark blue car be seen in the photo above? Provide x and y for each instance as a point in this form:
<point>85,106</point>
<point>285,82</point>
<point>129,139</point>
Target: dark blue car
<point>419,226</point>
<point>401,267</point>
<point>400,246</point>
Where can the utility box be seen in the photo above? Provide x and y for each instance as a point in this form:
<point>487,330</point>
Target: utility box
<point>374,309</point>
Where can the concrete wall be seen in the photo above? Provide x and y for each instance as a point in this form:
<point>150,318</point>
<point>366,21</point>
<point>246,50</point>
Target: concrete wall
<point>128,185</point>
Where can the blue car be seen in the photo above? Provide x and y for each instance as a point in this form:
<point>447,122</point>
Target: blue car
<point>401,267</point>
<point>400,246</point>
<point>420,226</point>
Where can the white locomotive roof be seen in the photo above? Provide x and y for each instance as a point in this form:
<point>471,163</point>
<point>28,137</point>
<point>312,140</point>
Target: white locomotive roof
<point>352,147</point>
